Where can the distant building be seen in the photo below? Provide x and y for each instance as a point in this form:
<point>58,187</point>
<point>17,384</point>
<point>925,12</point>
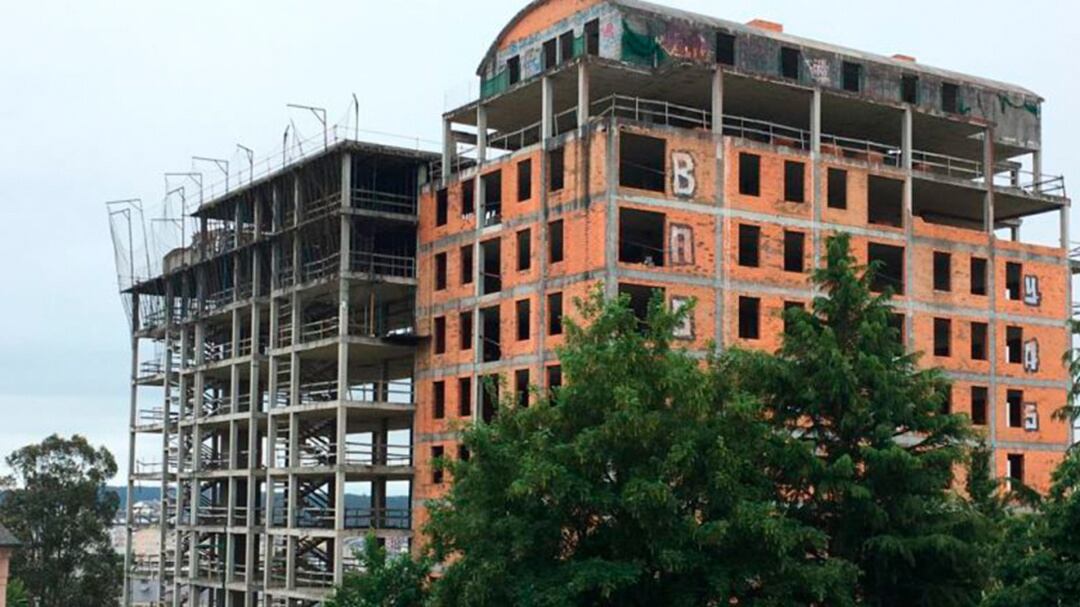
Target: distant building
<point>8,543</point>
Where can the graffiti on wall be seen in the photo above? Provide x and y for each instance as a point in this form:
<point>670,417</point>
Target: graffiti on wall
<point>685,42</point>
<point>685,329</point>
<point>1031,417</point>
<point>681,244</point>
<point>683,182</point>
<point>818,70</point>
<point>1031,356</point>
<point>1032,296</point>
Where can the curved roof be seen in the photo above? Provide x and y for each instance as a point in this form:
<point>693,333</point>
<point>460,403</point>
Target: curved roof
<point>667,11</point>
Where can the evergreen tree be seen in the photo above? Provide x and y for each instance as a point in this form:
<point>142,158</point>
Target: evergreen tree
<point>640,482</point>
<point>1039,562</point>
<point>57,507</point>
<point>843,387</point>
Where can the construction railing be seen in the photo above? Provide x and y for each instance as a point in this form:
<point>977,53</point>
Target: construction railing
<point>381,392</point>
<point>378,518</point>
<point>381,264</point>
<point>383,202</point>
<point>321,268</point>
<point>365,453</point>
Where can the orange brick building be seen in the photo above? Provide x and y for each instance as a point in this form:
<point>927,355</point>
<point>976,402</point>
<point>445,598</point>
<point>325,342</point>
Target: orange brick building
<point>305,343</point>
<point>639,147</point>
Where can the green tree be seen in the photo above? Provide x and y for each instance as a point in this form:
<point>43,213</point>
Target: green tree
<point>640,482</point>
<point>1039,560</point>
<point>383,581</point>
<point>843,387</point>
<point>16,594</point>
<point>56,506</point>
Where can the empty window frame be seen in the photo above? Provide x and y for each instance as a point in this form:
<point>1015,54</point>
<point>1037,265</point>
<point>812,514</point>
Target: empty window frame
<point>554,314</point>
<point>979,396</point>
<point>947,406</point>
<point>942,337</point>
<point>440,335</point>
<point>438,400</point>
<point>788,306</point>
<point>641,162</point>
<point>592,38</point>
<point>794,181</point>
<point>942,271</point>
<point>909,89</point>
<point>978,276</point>
<point>852,76</point>
<point>749,246</point>
<point>979,336</point>
<point>897,324</point>
<point>437,453</point>
<point>551,53</point>
<point>465,397</point>
<point>524,180</point>
<point>490,334</point>
<point>889,272</point>
<point>524,249</point>
<point>522,309</point>
<point>442,207</point>
<point>489,397</point>
<point>749,174</point>
<point>640,296</point>
<point>463,453</point>
<point>554,377</point>
<point>492,198</point>
<point>513,68</point>
<point>468,197</point>
<point>467,264</point>
<point>1013,281</point>
<point>1014,345</point>
<point>1015,473</point>
<point>521,387</point>
<point>641,237</point>
<point>837,186</point>
<point>790,58</point>
<point>1014,401</point>
<point>555,241</point>
<point>749,318</point>
<point>440,271</point>
<point>885,203</point>
<point>491,266</point>
<point>950,98</point>
<point>566,46</point>
<point>725,48</point>
<point>465,331</point>
<point>794,251</point>
<point>556,169</point>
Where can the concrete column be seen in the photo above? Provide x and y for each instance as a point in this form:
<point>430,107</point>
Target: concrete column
<point>583,100</point>
<point>1065,228</point>
<point>1036,169</point>
<point>547,108</point>
<point>449,148</point>
<point>339,494</point>
<point>988,177</point>
<point>718,101</point>
<point>133,417</point>
<point>481,133</point>
<point>816,175</point>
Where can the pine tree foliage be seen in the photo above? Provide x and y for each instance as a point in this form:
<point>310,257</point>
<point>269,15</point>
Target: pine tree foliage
<point>1039,558</point>
<point>884,450</point>
<point>634,484</point>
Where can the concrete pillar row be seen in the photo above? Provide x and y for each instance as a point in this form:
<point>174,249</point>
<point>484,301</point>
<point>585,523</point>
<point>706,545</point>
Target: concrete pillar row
<point>583,94</point>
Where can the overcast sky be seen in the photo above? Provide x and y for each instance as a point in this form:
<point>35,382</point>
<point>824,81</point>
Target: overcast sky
<point>99,99</point>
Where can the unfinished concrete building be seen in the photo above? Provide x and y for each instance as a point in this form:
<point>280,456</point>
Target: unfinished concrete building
<point>272,363</point>
<point>309,348</point>
<point>640,147</point>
